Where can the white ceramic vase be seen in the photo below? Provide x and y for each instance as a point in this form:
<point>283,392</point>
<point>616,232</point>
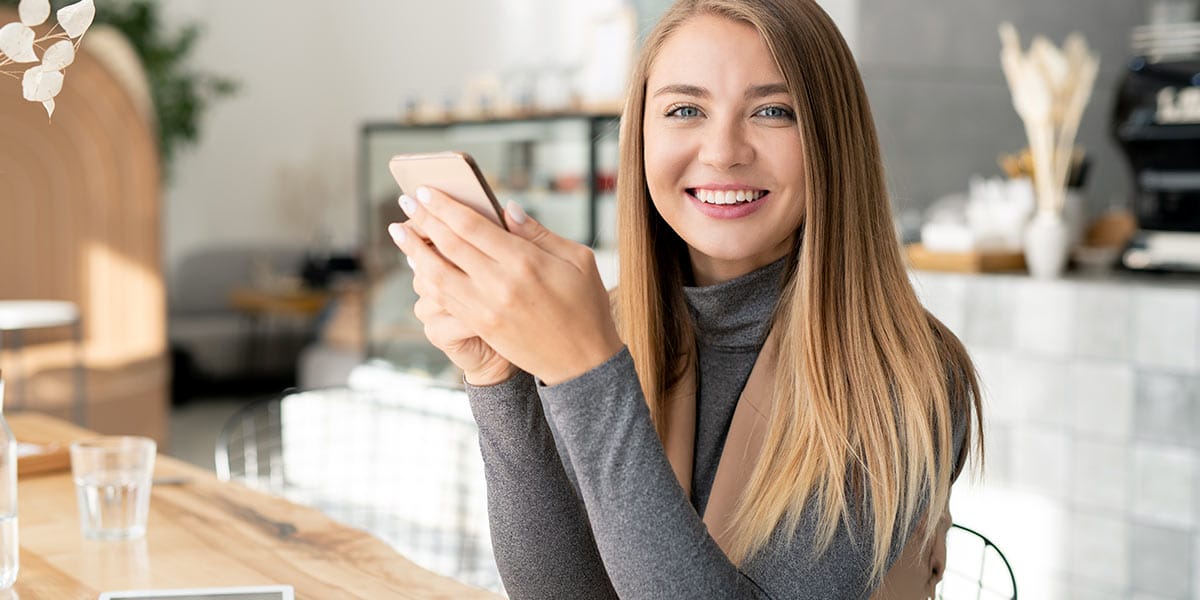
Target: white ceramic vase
<point>1047,244</point>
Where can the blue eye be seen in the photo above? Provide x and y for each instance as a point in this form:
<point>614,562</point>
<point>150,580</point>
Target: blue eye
<point>683,112</point>
<point>777,112</point>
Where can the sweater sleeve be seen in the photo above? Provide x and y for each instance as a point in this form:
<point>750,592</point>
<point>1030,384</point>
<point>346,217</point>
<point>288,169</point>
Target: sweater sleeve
<point>653,543</point>
<point>540,534</point>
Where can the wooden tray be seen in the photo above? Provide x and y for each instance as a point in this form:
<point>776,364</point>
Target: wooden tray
<point>35,458</point>
<point>964,262</point>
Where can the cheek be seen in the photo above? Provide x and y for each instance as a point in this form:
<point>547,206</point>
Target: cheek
<point>661,171</point>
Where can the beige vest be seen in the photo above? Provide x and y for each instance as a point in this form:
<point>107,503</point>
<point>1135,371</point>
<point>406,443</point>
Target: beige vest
<point>915,572</point>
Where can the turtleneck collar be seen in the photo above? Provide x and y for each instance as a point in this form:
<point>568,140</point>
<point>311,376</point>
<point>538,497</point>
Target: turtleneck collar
<point>736,313</point>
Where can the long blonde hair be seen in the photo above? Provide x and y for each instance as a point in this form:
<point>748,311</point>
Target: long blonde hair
<point>868,381</point>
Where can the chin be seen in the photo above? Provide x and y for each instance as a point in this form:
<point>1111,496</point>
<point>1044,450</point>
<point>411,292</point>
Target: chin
<point>730,253</point>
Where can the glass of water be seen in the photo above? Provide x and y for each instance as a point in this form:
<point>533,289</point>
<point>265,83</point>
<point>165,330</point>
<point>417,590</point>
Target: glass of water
<point>112,483</point>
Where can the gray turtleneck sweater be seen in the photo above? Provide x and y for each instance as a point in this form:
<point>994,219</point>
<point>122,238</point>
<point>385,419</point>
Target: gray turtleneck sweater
<point>583,502</point>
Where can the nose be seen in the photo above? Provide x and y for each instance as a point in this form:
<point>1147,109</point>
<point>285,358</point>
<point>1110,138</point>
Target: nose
<point>725,145</point>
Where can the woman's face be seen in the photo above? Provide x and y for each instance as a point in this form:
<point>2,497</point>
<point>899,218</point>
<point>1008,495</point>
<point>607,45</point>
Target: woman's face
<point>723,153</point>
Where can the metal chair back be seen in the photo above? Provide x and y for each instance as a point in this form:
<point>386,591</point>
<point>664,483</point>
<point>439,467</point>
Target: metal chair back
<point>975,568</point>
<point>403,465</point>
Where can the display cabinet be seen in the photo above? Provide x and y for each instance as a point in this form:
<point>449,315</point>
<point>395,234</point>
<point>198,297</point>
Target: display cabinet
<point>561,168</point>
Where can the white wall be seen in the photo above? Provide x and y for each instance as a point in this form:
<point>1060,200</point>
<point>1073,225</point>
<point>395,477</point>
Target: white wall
<point>304,92</point>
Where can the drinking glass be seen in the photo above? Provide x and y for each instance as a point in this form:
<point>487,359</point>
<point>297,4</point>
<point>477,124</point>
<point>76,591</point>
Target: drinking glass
<point>112,483</point>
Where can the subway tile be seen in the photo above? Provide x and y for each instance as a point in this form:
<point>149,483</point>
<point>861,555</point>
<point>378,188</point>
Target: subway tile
<point>992,368</point>
<point>997,454</point>
<point>1165,329</point>
<point>1041,462</point>
<point>1167,409</point>
<point>1046,586</point>
<point>1160,560</point>
<point>945,296</point>
<point>1100,474</point>
<point>989,313</point>
<point>1042,387</point>
<point>1103,322</point>
<point>1099,549</point>
<point>1044,318</point>
<point>1196,565</point>
<point>1083,589</point>
<point>1164,481</point>
<point>1102,395</point>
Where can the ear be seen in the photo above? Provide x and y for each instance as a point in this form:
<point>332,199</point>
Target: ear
<point>937,554</point>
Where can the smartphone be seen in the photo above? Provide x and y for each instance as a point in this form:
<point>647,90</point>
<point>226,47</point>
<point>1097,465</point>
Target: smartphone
<point>454,173</point>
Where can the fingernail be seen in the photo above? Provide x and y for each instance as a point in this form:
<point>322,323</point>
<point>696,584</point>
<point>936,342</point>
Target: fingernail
<point>397,232</point>
<point>515,212</point>
<point>406,203</point>
<point>424,195</point>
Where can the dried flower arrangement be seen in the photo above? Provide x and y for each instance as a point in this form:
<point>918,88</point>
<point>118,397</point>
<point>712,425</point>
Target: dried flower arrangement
<point>1050,90</point>
<point>19,44</point>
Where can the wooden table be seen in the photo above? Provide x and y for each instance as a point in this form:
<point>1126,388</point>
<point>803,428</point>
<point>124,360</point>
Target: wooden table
<point>203,533</point>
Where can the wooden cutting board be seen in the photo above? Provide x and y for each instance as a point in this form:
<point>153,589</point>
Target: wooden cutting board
<point>964,262</point>
<point>36,458</point>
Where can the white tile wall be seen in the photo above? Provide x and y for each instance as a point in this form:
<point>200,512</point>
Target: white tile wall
<point>1001,404</point>
<point>989,313</point>
<point>1160,562</point>
<point>1102,394</point>
<point>1100,549</point>
<point>1103,322</point>
<point>1167,409</point>
<point>1164,481</point>
<point>944,296</point>
<point>1041,461</point>
<point>1166,324</point>
<point>1042,388</point>
<point>1082,589</point>
<point>1044,320</point>
<point>1094,409</point>
<point>1100,475</point>
<point>997,440</point>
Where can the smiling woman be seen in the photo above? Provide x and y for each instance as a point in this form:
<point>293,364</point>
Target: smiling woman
<point>724,158</point>
<point>771,413</point>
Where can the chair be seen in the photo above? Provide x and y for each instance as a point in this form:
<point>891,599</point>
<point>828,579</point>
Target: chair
<point>403,465</point>
<point>975,568</point>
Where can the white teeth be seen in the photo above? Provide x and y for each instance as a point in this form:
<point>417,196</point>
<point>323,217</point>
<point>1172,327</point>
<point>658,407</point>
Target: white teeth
<point>728,197</point>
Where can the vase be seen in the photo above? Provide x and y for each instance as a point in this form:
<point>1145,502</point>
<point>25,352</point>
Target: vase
<point>1047,244</point>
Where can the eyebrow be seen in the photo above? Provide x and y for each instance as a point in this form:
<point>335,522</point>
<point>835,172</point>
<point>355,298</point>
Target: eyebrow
<point>758,91</point>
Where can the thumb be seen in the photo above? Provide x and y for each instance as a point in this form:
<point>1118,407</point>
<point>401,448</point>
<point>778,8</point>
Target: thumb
<point>529,229</point>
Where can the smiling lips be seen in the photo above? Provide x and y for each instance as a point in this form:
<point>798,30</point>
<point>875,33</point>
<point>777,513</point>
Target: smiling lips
<point>728,202</point>
<point>726,196</point>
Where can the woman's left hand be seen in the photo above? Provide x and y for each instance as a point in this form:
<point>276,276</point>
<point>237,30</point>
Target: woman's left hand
<point>534,297</point>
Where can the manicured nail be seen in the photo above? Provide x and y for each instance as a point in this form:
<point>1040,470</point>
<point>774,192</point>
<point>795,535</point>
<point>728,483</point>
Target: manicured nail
<point>406,203</point>
<point>397,232</point>
<point>516,213</point>
<point>424,195</point>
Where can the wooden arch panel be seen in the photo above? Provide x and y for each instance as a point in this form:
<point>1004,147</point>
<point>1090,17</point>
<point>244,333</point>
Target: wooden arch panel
<point>80,220</point>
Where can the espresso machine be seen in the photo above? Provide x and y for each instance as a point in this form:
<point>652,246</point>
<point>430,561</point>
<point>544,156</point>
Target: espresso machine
<point>1157,124</point>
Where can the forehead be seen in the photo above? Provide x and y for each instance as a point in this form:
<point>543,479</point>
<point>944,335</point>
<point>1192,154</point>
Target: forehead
<point>716,53</point>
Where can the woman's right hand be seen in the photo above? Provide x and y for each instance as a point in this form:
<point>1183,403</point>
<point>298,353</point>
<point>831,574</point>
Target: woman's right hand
<point>481,364</point>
